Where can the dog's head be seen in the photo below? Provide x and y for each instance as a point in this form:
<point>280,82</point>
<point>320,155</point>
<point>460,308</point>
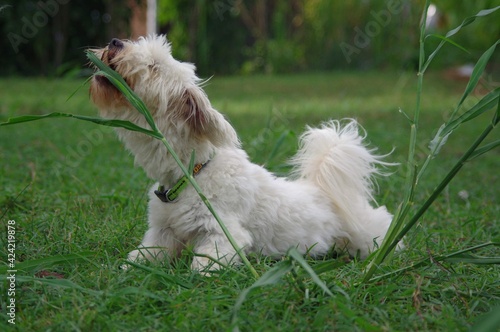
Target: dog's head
<point>169,88</point>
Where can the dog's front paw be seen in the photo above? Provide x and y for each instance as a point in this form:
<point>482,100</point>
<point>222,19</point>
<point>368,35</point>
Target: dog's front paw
<point>134,256</point>
<point>205,265</point>
<point>124,267</point>
<point>201,263</point>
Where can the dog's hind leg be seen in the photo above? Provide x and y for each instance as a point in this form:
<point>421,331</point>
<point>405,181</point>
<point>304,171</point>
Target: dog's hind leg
<point>335,159</point>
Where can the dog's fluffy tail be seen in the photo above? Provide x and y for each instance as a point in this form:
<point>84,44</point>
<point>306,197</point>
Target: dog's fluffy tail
<point>335,159</point>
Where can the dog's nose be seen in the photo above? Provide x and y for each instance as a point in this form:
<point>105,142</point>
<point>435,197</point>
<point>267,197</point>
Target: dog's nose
<point>115,44</point>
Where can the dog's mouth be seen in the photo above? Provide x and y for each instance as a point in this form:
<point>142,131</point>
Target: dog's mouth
<point>109,54</point>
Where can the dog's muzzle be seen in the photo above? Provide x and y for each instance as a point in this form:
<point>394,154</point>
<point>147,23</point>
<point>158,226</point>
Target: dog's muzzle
<point>114,47</point>
<point>115,43</point>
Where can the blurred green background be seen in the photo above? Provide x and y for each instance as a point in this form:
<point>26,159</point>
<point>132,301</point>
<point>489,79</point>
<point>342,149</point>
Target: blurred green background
<point>48,37</point>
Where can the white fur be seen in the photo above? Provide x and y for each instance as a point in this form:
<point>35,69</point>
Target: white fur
<point>326,206</point>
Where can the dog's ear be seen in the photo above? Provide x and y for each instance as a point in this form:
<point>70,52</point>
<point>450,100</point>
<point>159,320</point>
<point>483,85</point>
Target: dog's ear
<point>204,121</point>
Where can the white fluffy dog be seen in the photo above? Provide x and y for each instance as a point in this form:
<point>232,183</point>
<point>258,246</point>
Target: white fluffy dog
<point>325,207</point>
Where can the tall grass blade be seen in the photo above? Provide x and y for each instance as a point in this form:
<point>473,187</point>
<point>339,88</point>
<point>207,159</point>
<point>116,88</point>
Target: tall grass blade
<point>411,167</point>
<point>459,255</point>
<point>494,144</point>
<point>466,22</point>
<point>110,123</point>
<point>485,104</point>
<point>448,40</point>
<point>471,259</point>
<point>397,224</point>
<point>476,75</point>
<point>484,149</point>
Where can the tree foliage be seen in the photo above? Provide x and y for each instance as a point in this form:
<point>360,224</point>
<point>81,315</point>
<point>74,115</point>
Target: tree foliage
<point>238,36</point>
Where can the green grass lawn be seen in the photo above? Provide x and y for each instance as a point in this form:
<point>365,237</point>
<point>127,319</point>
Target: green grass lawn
<point>79,206</point>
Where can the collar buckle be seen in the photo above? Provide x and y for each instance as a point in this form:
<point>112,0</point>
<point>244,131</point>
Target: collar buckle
<point>162,194</point>
<point>170,195</point>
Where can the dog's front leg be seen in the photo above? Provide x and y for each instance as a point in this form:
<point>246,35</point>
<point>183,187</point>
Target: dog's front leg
<point>158,244</point>
<point>213,248</point>
<point>210,249</point>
